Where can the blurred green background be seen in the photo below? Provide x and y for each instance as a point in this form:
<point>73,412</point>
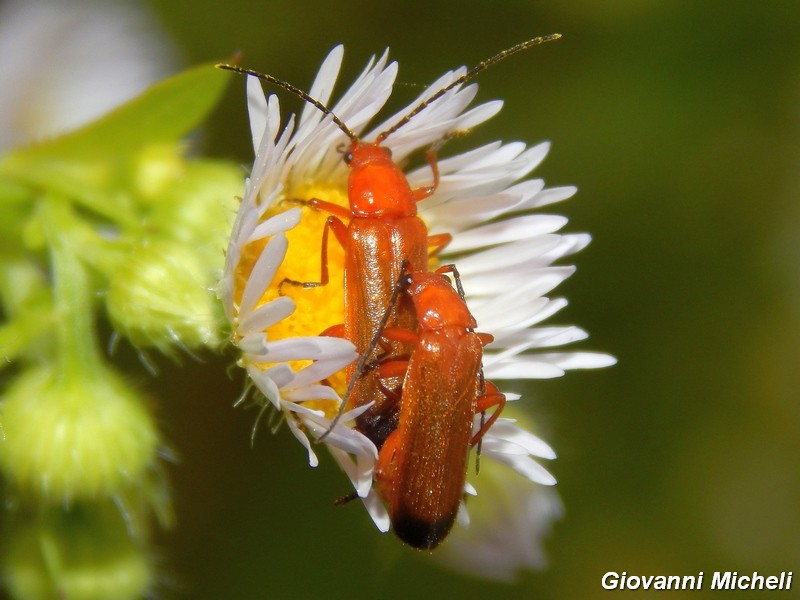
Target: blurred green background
<point>679,121</point>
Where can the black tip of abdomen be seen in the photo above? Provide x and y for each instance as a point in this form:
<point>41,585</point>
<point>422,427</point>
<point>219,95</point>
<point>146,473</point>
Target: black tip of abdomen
<point>422,534</point>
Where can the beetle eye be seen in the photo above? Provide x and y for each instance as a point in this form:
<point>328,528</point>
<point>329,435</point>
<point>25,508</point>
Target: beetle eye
<point>348,158</point>
<point>388,152</point>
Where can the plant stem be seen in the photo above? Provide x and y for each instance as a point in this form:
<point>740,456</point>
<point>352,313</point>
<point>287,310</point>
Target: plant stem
<point>75,334</point>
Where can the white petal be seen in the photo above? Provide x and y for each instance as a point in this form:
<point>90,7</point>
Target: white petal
<point>264,270</point>
<point>522,367</point>
<point>551,196</point>
<point>538,153</point>
<point>371,500</point>
<point>457,214</point>
<point>505,431</point>
<point>535,251</point>
<point>303,439</point>
<point>532,281</point>
<point>479,114</point>
<point>265,385</point>
<point>539,337</point>
<point>281,375</point>
<point>257,110</point>
<point>281,222</point>
<point>579,360</point>
<point>295,348</point>
<point>520,228</point>
<point>344,438</point>
<point>266,152</point>
<point>311,392</point>
<point>525,466</point>
<point>266,315</point>
<point>500,317</point>
<point>463,160</point>
<point>322,88</point>
<point>377,512</point>
<point>463,515</point>
<point>335,358</point>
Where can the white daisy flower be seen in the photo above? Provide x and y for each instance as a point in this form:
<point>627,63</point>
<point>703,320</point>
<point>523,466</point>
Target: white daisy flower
<point>507,266</point>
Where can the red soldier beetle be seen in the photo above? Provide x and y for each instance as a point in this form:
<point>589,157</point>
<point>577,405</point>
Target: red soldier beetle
<point>422,465</point>
<point>382,233</point>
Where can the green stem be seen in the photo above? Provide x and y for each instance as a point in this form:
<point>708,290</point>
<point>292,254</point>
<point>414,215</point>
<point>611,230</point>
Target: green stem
<point>77,349</point>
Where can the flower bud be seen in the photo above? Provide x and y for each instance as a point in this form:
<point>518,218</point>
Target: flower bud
<point>82,552</point>
<point>198,209</point>
<point>156,169</point>
<point>157,298</point>
<point>69,438</point>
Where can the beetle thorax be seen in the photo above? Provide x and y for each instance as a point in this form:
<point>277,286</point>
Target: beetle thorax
<point>438,305</point>
<point>376,185</point>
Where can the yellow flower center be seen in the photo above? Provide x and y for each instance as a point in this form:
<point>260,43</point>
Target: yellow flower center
<point>317,308</point>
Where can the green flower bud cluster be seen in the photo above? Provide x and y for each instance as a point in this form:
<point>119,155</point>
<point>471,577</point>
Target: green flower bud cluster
<point>85,550</point>
<point>161,294</point>
<point>108,221</point>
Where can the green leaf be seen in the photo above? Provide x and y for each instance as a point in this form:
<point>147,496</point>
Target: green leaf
<point>165,112</point>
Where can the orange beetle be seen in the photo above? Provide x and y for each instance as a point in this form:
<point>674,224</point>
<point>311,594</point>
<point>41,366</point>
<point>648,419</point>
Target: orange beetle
<point>422,466</point>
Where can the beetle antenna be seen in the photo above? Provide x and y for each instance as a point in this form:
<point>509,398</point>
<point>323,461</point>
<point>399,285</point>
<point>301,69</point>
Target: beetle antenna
<point>292,90</point>
<point>481,66</point>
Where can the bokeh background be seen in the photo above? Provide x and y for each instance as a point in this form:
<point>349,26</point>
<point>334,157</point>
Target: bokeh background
<point>679,121</point>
